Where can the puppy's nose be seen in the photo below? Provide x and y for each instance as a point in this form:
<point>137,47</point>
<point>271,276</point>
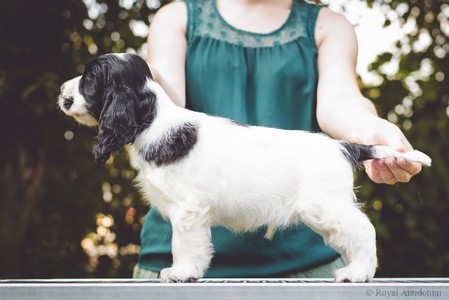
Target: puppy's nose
<point>67,102</point>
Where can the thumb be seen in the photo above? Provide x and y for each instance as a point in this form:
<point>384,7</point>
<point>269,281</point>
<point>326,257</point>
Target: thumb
<point>393,137</point>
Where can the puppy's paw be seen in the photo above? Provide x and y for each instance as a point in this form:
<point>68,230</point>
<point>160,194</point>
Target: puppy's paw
<point>174,275</point>
<point>353,274</point>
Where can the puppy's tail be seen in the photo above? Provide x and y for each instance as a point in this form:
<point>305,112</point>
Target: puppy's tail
<point>355,153</point>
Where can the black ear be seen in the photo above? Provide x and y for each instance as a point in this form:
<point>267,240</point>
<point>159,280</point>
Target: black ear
<point>120,122</point>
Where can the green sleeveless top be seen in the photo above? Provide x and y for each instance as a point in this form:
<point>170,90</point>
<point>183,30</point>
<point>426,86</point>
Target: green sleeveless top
<point>259,79</point>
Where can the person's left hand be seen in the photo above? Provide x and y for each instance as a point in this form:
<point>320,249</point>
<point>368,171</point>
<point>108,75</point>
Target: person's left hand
<point>391,170</point>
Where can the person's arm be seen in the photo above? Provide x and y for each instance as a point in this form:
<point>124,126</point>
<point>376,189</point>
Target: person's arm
<point>167,46</point>
<point>342,111</point>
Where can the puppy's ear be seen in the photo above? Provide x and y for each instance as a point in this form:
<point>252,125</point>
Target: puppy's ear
<point>119,122</point>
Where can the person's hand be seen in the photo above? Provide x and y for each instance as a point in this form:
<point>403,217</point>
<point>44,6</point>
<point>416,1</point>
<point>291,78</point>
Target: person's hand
<point>391,170</point>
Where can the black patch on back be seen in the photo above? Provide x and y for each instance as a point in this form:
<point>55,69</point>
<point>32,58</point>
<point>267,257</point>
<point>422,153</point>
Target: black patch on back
<point>356,153</point>
<point>174,145</point>
<point>233,122</point>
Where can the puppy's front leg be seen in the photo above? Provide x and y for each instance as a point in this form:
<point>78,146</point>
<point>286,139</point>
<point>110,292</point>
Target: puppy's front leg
<point>191,246</point>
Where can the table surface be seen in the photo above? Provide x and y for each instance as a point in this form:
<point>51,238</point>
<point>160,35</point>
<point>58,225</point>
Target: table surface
<point>273,289</point>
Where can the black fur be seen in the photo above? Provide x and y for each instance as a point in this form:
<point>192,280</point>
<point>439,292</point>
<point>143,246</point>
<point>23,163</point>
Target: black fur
<point>174,146</point>
<point>239,123</point>
<point>116,92</point>
<point>356,153</point>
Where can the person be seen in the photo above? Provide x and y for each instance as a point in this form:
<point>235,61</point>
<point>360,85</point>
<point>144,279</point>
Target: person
<point>279,63</point>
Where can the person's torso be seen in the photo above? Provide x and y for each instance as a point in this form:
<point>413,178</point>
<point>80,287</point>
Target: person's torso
<point>258,79</point>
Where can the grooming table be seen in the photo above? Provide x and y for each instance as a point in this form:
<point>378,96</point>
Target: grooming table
<point>215,289</point>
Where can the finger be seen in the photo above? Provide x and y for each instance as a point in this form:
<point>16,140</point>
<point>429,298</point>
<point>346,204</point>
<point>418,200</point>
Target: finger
<point>401,175</point>
<point>402,170</point>
<point>411,168</point>
<point>386,174</point>
<point>393,137</point>
<point>378,172</point>
<point>372,171</point>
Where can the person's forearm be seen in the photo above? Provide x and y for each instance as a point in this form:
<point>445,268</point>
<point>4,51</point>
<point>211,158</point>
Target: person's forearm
<point>167,46</point>
<point>177,98</point>
<point>350,118</point>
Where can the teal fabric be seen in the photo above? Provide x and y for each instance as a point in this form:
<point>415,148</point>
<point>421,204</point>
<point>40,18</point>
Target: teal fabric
<point>259,79</point>
<point>324,271</point>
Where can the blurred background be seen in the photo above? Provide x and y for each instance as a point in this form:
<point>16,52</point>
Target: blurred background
<point>64,216</point>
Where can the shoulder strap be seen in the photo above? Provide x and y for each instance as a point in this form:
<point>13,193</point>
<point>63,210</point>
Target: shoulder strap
<point>190,18</point>
<point>194,16</point>
<point>311,11</point>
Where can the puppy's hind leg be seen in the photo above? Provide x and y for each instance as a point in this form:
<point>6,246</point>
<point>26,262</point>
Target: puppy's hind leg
<point>337,218</point>
<point>191,246</point>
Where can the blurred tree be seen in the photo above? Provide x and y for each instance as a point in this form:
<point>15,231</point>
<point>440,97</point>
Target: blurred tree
<point>410,218</point>
<point>50,189</point>
<point>63,216</point>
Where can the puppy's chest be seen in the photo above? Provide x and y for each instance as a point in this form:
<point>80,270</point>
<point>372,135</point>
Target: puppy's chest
<point>151,183</point>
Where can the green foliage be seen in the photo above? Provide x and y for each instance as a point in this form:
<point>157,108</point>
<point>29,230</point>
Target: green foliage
<point>51,191</point>
<point>61,215</point>
<point>412,217</point>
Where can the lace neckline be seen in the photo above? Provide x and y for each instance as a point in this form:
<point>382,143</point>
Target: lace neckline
<point>206,21</point>
<point>242,31</point>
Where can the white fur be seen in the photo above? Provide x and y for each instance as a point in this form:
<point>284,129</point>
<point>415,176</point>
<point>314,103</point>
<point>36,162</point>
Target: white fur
<point>244,178</point>
<point>412,156</point>
<point>247,177</point>
<point>78,110</point>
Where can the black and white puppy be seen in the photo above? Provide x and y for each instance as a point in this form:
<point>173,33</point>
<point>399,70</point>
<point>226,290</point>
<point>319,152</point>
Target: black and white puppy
<point>202,171</point>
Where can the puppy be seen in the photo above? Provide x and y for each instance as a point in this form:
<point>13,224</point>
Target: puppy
<point>202,171</point>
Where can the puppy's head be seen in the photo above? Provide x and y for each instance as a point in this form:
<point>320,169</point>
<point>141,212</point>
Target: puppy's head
<point>113,94</point>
